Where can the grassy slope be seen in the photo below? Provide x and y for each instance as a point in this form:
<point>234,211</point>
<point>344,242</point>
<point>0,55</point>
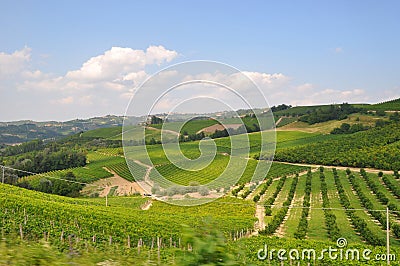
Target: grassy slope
<point>393,105</point>
<point>327,127</point>
<point>110,132</point>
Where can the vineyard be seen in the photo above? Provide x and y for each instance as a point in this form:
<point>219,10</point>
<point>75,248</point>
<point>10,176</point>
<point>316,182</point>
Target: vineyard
<point>24,211</point>
<point>393,105</point>
<point>190,127</point>
<point>376,148</point>
<point>293,206</point>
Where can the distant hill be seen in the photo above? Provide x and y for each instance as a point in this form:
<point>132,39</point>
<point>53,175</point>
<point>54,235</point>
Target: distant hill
<point>26,130</point>
<point>15,132</point>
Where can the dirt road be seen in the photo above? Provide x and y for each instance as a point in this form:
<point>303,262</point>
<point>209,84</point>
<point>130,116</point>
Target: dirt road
<point>354,169</point>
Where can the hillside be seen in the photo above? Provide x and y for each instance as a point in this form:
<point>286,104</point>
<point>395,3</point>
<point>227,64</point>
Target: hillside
<point>392,105</point>
<point>375,148</point>
<point>296,203</point>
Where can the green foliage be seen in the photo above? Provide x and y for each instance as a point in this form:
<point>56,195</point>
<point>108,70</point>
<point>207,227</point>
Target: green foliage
<point>114,133</point>
<point>237,190</point>
<point>30,146</point>
<point>251,246</point>
<point>330,218</point>
<point>286,120</point>
<point>84,218</point>
<point>395,117</point>
<point>392,105</point>
<point>280,107</point>
<point>154,120</point>
<point>123,171</point>
<point>347,129</point>
<point>359,224</point>
<point>278,218</point>
<point>334,112</point>
<point>302,227</point>
<point>375,148</point>
<point>392,184</point>
<point>263,189</point>
<point>195,125</point>
<point>53,157</point>
<point>270,201</point>
<point>208,247</point>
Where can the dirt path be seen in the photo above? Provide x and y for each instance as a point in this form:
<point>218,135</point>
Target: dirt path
<point>213,128</point>
<point>146,184</point>
<point>260,224</point>
<point>124,187</point>
<point>277,122</point>
<point>164,130</point>
<point>354,169</point>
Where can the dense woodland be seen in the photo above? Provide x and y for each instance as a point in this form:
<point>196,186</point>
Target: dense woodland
<point>39,158</point>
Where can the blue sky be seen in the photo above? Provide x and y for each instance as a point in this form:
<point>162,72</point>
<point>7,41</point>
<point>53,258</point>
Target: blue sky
<point>328,51</point>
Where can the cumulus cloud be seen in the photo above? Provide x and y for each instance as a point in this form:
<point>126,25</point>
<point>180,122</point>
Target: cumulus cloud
<point>104,83</point>
<point>117,69</point>
<point>11,64</point>
<point>121,64</point>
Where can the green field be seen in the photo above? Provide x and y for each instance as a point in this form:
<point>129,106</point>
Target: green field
<point>300,206</point>
<point>190,127</point>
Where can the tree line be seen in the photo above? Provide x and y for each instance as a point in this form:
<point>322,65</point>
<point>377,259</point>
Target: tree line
<point>333,112</point>
<point>52,157</point>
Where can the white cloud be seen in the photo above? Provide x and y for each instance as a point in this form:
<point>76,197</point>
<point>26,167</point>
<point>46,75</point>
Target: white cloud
<point>265,79</point>
<point>158,55</point>
<point>119,62</point>
<point>13,63</point>
<point>105,83</point>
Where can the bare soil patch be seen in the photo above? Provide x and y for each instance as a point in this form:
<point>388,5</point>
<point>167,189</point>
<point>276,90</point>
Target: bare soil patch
<point>213,128</point>
<point>124,187</point>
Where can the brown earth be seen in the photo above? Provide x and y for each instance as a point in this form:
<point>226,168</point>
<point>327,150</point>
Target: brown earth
<point>125,187</point>
<point>213,128</point>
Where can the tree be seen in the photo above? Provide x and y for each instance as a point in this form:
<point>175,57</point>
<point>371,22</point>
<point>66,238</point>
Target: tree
<point>154,120</point>
<point>380,123</point>
<point>380,113</point>
<point>395,117</point>
<point>203,191</point>
<point>345,127</point>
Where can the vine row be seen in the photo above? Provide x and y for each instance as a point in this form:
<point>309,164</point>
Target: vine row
<point>263,190</point>
<point>359,224</point>
<point>303,224</point>
<point>330,218</point>
<point>271,200</point>
<point>280,215</point>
